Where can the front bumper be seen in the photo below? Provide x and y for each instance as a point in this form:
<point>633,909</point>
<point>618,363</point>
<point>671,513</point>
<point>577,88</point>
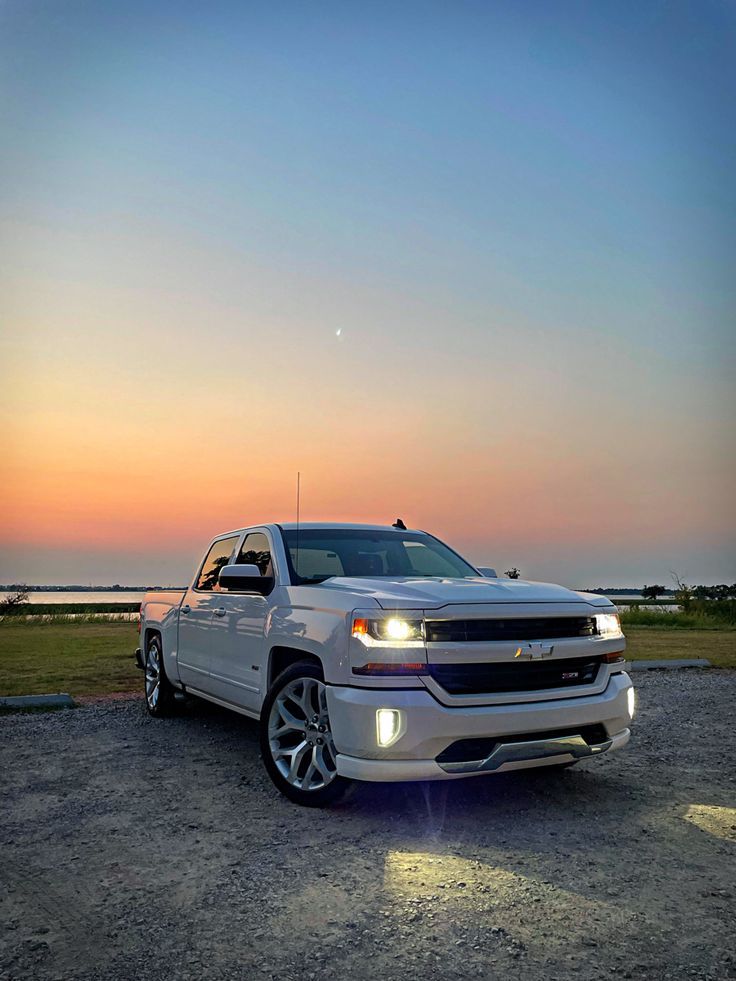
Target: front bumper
<point>429,728</point>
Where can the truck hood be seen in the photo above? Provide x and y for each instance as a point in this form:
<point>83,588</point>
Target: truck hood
<point>422,594</point>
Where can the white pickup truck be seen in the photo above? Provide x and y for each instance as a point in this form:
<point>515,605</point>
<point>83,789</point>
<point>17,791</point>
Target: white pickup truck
<point>374,652</point>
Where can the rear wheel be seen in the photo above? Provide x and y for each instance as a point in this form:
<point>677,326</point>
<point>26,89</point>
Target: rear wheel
<point>296,739</point>
<point>158,689</point>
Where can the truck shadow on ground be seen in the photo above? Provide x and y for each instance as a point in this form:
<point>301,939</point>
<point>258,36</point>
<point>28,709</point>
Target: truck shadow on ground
<point>433,803</point>
<point>551,807</point>
<point>543,865</point>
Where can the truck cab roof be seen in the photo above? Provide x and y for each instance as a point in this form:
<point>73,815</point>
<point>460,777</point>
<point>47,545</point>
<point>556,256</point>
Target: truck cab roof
<point>317,525</point>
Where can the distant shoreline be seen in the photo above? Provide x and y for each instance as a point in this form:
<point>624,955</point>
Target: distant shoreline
<point>88,589</point>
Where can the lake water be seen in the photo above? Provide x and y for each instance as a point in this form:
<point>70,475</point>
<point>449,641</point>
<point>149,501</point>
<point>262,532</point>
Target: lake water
<point>86,597</point>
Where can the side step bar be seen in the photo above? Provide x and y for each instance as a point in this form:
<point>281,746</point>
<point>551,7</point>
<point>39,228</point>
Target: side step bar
<point>534,749</point>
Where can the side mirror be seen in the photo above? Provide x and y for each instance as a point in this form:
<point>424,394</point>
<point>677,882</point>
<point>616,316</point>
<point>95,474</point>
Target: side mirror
<point>245,579</point>
<point>487,572</point>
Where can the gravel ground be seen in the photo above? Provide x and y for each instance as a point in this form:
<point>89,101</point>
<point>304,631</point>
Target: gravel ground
<point>133,848</point>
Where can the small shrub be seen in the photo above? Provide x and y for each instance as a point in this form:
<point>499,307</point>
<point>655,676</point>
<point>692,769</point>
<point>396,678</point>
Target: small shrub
<point>14,602</point>
<point>700,615</point>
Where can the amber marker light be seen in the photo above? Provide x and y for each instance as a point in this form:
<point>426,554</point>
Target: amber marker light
<point>360,628</point>
<point>613,657</point>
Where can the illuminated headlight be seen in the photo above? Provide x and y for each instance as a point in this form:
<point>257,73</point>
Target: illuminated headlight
<point>389,632</point>
<point>631,695</point>
<point>402,629</point>
<point>608,625</point>
<point>388,727</point>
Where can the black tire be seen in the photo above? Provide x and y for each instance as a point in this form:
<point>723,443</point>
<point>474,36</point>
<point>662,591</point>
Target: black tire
<point>316,750</point>
<point>160,700</point>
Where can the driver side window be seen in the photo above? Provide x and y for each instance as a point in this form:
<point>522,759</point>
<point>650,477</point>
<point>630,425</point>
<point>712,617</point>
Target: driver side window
<point>217,557</point>
<point>256,550</point>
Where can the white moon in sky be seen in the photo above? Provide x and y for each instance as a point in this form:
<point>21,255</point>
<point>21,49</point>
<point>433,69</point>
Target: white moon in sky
<point>338,332</point>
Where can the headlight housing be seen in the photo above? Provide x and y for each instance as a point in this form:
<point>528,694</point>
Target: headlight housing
<point>391,631</point>
<point>608,625</point>
<point>387,645</point>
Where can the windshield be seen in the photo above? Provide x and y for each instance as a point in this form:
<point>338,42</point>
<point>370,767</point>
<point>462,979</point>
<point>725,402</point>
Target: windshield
<point>367,554</point>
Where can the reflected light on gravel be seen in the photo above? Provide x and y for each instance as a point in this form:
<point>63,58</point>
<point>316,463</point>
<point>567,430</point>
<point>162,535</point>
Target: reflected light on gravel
<point>718,821</point>
<point>421,874</point>
<point>475,887</point>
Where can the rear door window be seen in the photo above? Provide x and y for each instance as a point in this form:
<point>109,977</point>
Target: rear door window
<point>218,556</point>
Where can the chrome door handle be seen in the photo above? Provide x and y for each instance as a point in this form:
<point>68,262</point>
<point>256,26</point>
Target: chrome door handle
<point>220,611</point>
<point>186,609</point>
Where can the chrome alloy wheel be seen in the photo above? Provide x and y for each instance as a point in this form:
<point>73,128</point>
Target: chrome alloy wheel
<point>299,736</point>
<point>153,674</point>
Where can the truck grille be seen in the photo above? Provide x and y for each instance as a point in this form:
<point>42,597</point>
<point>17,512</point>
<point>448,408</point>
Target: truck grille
<point>524,628</point>
<point>481,679</point>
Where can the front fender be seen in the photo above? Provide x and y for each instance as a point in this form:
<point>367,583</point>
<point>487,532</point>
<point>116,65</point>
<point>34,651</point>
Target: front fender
<point>322,633</point>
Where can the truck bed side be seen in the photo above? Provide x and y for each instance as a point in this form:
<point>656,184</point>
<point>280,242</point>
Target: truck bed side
<point>160,612</point>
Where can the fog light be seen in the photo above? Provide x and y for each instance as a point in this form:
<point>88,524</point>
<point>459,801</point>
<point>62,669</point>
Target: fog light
<point>630,694</point>
<point>388,726</point>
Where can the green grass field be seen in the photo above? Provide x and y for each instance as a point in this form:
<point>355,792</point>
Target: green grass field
<point>97,658</point>
<point>652,643</point>
<point>79,658</point>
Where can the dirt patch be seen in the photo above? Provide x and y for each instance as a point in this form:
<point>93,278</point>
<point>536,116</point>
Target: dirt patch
<point>132,848</point>
<point>118,696</point>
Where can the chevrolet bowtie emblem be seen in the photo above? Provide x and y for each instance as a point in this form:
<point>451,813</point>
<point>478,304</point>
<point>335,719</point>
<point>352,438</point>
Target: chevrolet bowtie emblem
<point>534,651</point>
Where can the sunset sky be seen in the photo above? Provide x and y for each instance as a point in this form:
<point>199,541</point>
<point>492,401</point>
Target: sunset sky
<point>520,217</point>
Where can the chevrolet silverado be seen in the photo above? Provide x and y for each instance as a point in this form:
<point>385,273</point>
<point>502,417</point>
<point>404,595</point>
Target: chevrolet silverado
<point>373,652</point>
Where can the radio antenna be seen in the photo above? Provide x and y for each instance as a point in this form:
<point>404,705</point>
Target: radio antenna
<point>298,495</point>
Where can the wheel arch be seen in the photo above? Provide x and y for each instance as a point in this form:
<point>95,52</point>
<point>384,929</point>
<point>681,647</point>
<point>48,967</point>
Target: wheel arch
<point>282,656</point>
<point>148,634</point>
<point>168,658</point>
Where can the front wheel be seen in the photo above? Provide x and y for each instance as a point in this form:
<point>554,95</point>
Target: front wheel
<point>296,740</point>
<point>158,689</point>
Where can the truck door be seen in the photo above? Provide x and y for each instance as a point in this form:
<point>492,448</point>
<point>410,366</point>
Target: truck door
<point>237,666</point>
<point>196,614</point>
